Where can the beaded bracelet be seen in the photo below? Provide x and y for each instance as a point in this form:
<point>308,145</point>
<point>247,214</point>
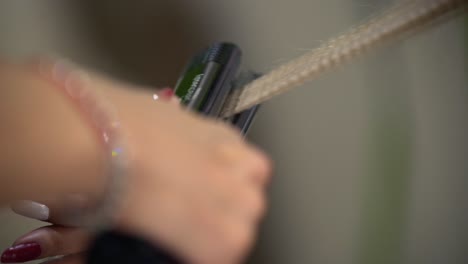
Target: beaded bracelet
<point>75,84</point>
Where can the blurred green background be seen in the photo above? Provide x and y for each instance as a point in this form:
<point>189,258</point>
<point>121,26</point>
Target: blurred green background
<point>370,161</point>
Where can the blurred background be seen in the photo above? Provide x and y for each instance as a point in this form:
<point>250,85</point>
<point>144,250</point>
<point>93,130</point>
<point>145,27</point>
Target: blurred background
<point>371,161</point>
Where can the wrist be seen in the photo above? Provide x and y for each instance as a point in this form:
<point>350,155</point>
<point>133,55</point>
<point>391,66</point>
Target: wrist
<point>140,114</point>
<point>100,116</point>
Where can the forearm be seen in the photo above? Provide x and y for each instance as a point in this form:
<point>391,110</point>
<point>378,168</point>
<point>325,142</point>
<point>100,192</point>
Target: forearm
<point>48,148</point>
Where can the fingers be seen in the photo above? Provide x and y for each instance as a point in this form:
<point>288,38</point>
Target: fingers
<point>258,166</point>
<point>233,151</point>
<point>31,209</point>
<point>64,211</point>
<point>45,242</point>
<point>242,199</point>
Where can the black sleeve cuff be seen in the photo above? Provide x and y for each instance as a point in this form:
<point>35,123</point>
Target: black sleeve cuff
<point>120,248</point>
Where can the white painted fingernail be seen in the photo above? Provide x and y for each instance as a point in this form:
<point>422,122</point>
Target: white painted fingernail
<point>31,209</point>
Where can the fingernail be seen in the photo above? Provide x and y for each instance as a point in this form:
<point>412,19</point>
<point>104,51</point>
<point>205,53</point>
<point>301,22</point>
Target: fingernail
<point>21,253</point>
<point>31,209</point>
<point>166,93</point>
<point>169,95</point>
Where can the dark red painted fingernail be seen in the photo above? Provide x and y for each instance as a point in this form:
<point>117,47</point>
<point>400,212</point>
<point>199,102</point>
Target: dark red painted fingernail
<point>166,93</point>
<point>21,253</point>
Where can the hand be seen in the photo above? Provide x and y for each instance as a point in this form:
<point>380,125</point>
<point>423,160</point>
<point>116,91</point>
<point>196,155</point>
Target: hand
<point>62,238</point>
<point>195,187</point>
